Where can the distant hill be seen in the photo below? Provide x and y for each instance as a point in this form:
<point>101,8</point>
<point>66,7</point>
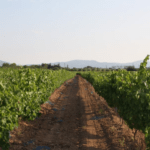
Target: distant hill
<point>93,63</point>
<point>84,63</point>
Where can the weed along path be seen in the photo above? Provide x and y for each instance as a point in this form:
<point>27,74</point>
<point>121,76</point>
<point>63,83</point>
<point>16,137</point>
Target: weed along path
<point>75,118</point>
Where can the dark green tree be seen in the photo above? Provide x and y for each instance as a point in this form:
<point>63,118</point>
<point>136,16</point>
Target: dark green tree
<point>5,65</point>
<point>13,65</point>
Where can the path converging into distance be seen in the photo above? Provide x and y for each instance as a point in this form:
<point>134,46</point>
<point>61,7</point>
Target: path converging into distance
<point>75,118</point>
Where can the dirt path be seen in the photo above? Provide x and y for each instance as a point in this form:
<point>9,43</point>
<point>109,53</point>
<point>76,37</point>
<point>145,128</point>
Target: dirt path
<point>73,128</point>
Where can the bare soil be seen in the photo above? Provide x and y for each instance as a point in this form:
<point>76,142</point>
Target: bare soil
<point>73,127</point>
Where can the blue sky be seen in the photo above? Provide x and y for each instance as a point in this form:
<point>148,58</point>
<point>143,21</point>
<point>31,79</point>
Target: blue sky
<point>47,31</point>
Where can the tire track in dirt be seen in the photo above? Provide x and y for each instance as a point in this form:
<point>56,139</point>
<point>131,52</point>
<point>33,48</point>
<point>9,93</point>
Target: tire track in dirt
<point>61,133</point>
<point>95,137</point>
<point>103,139</point>
<point>72,128</point>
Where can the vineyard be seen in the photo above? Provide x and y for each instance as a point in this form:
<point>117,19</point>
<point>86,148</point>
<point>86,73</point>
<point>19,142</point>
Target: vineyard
<point>23,91</point>
<point>130,93</point>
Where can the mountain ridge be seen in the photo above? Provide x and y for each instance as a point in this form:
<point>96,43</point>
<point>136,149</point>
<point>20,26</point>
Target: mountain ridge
<point>84,63</point>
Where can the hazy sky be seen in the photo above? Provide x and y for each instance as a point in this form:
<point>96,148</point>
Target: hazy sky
<point>47,31</point>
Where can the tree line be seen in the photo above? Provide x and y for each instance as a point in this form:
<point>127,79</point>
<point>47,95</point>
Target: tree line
<point>58,67</point>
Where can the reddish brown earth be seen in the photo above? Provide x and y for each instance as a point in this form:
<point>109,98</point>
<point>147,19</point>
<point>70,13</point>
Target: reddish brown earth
<point>77,131</point>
